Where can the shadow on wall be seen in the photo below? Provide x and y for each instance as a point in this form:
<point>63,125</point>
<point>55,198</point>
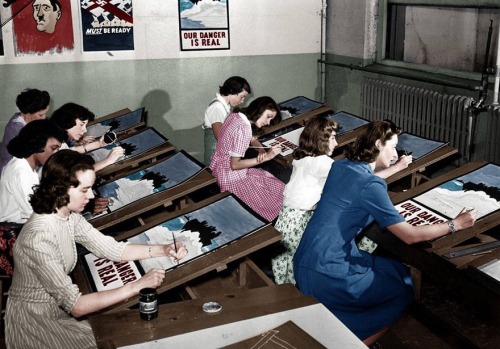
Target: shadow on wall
<point>157,104</point>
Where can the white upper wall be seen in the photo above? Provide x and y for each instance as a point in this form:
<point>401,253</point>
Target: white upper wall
<point>257,27</point>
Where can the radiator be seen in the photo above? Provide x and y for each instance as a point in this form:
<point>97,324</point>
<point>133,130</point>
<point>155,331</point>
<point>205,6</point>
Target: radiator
<point>492,139</point>
<point>419,111</point>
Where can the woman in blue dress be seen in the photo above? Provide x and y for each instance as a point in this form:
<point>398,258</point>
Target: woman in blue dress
<point>366,292</point>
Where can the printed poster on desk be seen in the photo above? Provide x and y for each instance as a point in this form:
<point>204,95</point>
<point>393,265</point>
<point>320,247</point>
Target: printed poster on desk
<point>479,189</point>
<point>204,25</point>
<point>297,106</point>
<point>156,178</point>
<point>107,25</point>
<point>201,231</point>
<point>117,124</point>
<point>287,141</point>
<point>135,145</point>
<point>41,26</point>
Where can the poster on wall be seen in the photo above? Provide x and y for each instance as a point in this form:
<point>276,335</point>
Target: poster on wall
<point>42,26</point>
<point>204,25</point>
<point>107,25</point>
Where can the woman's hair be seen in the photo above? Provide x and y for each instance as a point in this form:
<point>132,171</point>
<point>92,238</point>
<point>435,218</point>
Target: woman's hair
<point>234,85</point>
<point>32,100</point>
<point>315,138</point>
<point>33,138</point>
<point>255,110</point>
<point>58,176</point>
<point>364,148</point>
<point>65,117</point>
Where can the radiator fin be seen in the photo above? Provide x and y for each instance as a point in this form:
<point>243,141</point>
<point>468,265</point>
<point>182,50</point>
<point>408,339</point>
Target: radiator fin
<point>419,111</point>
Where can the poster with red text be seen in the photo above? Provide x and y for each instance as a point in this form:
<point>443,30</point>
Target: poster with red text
<point>42,26</point>
<point>204,25</point>
<point>107,25</point>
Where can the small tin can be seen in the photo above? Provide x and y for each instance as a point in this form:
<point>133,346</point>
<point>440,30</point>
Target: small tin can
<point>148,304</point>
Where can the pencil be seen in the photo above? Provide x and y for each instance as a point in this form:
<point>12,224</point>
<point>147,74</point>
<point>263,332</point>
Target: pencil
<point>263,147</point>
<point>175,245</point>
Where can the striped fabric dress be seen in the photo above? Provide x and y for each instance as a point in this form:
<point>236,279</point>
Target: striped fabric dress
<point>42,294</point>
<point>257,188</point>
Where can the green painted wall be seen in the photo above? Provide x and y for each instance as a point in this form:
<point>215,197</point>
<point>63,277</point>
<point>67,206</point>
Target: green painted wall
<point>175,92</point>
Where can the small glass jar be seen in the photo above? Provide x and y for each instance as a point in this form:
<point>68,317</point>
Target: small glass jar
<point>148,304</point>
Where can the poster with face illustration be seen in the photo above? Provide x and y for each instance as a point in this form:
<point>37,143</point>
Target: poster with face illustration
<point>42,27</point>
<point>201,231</point>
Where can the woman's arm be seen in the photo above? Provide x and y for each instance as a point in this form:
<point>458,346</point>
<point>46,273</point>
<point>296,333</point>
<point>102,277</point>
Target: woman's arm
<point>413,234</point>
<point>96,301</point>
<point>240,163</point>
<point>216,126</point>
<point>92,302</point>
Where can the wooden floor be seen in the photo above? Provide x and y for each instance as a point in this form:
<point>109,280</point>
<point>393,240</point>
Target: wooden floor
<point>442,321</point>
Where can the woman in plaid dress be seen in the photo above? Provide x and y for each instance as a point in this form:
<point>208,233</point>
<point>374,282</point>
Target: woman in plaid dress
<point>257,188</point>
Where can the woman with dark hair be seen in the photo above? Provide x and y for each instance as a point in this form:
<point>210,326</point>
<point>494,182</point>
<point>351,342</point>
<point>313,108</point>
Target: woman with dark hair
<point>31,148</point>
<point>366,292</point>
<point>257,188</point>
<point>33,104</point>
<point>45,307</point>
<point>231,93</point>
<point>74,118</point>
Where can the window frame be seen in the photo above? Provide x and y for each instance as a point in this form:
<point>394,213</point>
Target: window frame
<point>382,34</point>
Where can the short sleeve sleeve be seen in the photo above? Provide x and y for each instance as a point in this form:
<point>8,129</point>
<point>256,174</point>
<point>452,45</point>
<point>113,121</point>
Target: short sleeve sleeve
<point>378,203</point>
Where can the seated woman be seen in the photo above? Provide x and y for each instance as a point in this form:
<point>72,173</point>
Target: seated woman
<point>74,119</point>
<point>366,292</point>
<point>311,163</point>
<point>257,188</point>
<point>33,104</point>
<point>45,307</point>
<point>31,148</point>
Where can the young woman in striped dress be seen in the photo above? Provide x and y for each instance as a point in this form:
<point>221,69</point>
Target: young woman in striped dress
<point>45,309</point>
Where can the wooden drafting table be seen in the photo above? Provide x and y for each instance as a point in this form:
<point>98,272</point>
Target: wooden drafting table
<point>299,119</point>
<point>148,156</point>
<point>428,257</point>
<point>214,261</point>
<point>244,314</point>
<point>131,127</point>
<point>161,198</point>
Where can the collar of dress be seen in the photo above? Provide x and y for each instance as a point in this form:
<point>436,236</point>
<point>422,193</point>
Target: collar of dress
<point>244,118</point>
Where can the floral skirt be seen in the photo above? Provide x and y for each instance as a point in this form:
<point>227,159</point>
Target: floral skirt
<point>291,224</point>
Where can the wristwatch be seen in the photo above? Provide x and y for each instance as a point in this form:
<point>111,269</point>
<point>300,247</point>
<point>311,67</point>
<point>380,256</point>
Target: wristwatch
<point>451,225</point>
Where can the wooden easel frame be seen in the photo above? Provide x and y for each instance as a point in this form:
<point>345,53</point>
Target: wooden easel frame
<point>216,260</point>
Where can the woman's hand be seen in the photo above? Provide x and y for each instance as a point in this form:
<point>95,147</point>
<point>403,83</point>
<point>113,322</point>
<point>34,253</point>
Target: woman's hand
<point>86,140</point>
<point>115,154</point>
<point>271,154</point>
<point>465,219</point>
<point>403,162</point>
<point>100,205</point>
<point>152,278</point>
<point>170,250</point>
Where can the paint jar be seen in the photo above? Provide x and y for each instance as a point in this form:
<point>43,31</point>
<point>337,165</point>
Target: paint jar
<point>148,304</point>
